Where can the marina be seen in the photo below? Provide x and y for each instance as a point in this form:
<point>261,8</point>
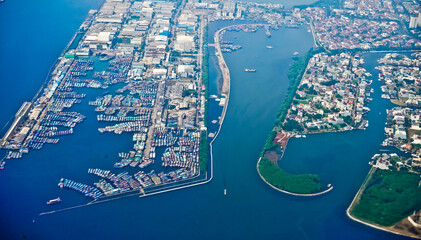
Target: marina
<point>236,150</point>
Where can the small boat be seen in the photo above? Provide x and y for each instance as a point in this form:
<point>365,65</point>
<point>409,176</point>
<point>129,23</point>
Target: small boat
<point>2,165</point>
<point>249,70</point>
<point>225,191</point>
<point>106,58</point>
<point>269,47</point>
<point>54,201</point>
<point>296,53</point>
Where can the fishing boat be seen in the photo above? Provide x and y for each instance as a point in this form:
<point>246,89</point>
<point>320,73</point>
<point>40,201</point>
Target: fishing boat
<point>269,47</point>
<point>225,191</point>
<point>106,58</point>
<point>2,165</point>
<point>54,201</point>
<point>249,70</point>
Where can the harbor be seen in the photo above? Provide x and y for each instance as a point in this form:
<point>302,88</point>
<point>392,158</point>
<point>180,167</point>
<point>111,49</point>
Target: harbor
<point>29,182</point>
<point>164,112</point>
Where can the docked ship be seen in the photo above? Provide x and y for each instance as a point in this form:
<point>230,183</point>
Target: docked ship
<point>54,201</point>
<point>249,70</point>
<point>106,58</point>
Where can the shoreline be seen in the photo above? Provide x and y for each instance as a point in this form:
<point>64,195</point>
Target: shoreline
<point>291,193</point>
<point>226,91</point>
<point>182,186</point>
<point>284,191</point>
<point>357,198</point>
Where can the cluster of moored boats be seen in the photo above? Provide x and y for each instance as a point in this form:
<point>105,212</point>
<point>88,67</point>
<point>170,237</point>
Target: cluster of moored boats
<point>105,118</point>
<point>123,182</point>
<point>82,65</point>
<point>172,158</point>
<point>87,190</point>
<point>182,150</point>
<point>13,154</point>
<point>125,127</point>
<point>163,137</point>
<point>49,128</point>
<point>75,82</point>
<point>70,94</point>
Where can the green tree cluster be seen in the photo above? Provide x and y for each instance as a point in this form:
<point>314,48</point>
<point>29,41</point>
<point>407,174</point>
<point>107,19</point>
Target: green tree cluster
<point>389,197</point>
<point>203,152</point>
<point>301,184</point>
<point>295,74</point>
<point>204,143</point>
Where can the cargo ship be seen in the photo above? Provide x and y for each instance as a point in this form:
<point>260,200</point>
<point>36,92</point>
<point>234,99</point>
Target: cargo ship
<point>54,201</point>
<point>249,70</point>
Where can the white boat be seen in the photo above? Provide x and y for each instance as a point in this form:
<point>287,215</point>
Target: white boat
<point>269,47</point>
<point>225,191</point>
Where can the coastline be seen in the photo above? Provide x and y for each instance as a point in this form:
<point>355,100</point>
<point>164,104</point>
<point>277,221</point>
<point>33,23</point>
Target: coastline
<point>291,193</point>
<point>389,229</point>
<point>226,79</point>
<point>226,86</point>
<point>258,162</point>
<point>157,208</point>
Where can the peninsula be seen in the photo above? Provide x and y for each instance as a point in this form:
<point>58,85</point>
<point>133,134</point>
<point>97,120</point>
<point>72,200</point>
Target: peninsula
<point>329,90</point>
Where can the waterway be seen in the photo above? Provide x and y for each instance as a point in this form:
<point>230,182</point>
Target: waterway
<point>250,209</point>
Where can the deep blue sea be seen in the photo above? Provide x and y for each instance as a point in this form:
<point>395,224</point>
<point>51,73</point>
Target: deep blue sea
<point>33,34</point>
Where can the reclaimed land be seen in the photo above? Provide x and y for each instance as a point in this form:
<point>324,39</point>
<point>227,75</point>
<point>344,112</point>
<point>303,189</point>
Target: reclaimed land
<point>270,172</point>
<point>386,199</point>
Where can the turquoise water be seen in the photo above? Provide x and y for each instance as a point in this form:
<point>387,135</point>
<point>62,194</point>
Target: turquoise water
<point>251,210</point>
